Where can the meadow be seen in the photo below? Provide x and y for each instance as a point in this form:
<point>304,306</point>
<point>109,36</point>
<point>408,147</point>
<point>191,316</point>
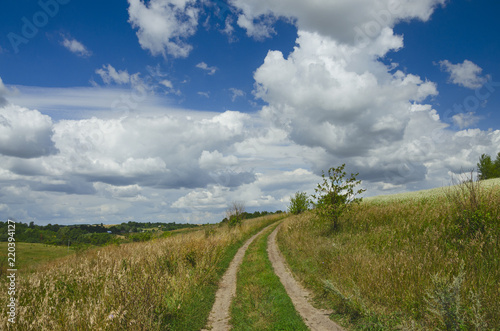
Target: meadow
<point>31,255</point>
<point>163,284</point>
<point>417,261</point>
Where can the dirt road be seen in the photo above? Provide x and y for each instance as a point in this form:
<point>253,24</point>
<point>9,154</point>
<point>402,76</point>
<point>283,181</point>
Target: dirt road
<point>218,320</point>
<point>219,317</point>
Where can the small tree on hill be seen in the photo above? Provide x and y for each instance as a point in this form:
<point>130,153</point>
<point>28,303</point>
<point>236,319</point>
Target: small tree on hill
<point>485,167</point>
<point>235,213</point>
<point>299,203</point>
<point>335,195</point>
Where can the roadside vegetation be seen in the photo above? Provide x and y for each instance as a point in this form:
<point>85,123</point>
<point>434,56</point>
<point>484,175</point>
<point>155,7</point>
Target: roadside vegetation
<point>261,302</point>
<point>163,284</point>
<point>421,261</point>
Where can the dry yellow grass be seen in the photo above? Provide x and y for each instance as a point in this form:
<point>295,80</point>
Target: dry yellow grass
<point>154,285</point>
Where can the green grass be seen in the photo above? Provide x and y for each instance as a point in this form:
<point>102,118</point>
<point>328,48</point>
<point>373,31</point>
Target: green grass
<point>394,260</point>
<point>29,255</point>
<point>261,301</point>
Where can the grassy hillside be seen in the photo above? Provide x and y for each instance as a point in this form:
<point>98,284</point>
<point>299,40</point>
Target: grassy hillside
<point>163,284</point>
<point>427,260</point>
<point>427,194</point>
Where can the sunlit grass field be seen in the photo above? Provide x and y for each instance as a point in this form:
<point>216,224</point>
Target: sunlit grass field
<point>163,284</point>
<point>410,261</point>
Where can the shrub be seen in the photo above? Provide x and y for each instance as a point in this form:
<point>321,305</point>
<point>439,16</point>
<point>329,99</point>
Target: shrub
<point>299,203</point>
<point>235,213</point>
<point>336,195</point>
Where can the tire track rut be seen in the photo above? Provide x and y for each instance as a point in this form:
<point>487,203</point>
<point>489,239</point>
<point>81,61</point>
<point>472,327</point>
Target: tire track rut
<point>314,318</point>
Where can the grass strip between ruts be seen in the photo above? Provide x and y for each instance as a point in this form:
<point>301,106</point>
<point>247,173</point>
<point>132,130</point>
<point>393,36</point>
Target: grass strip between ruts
<point>261,301</point>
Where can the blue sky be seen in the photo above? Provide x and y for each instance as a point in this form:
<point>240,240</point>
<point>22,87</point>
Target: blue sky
<point>168,110</point>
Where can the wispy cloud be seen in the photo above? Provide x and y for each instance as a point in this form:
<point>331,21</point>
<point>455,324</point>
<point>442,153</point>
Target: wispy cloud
<point>76,47</point>
<point>204,66</point>
<point>465,120</point>
<point>229,30</point>
<point>236,93</point>
<point>110,75</point>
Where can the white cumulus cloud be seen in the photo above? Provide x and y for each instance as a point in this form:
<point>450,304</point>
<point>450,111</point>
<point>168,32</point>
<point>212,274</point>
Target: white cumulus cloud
<point>214,160</point>
<point>25,133</point>
<point>466,74</point>
<point>344,21</point>
<point>164,25</point>
<point>328,101</point>
<point>349,107</point>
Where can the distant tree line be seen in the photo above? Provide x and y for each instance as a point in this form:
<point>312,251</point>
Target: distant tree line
<point>85,234</point>
<point>487,168</point>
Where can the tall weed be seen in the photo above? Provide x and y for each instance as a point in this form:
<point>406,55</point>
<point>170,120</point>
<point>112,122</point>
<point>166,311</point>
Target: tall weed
<point>448,310</point>
<point>444,302</point>
<point>473,208</point>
